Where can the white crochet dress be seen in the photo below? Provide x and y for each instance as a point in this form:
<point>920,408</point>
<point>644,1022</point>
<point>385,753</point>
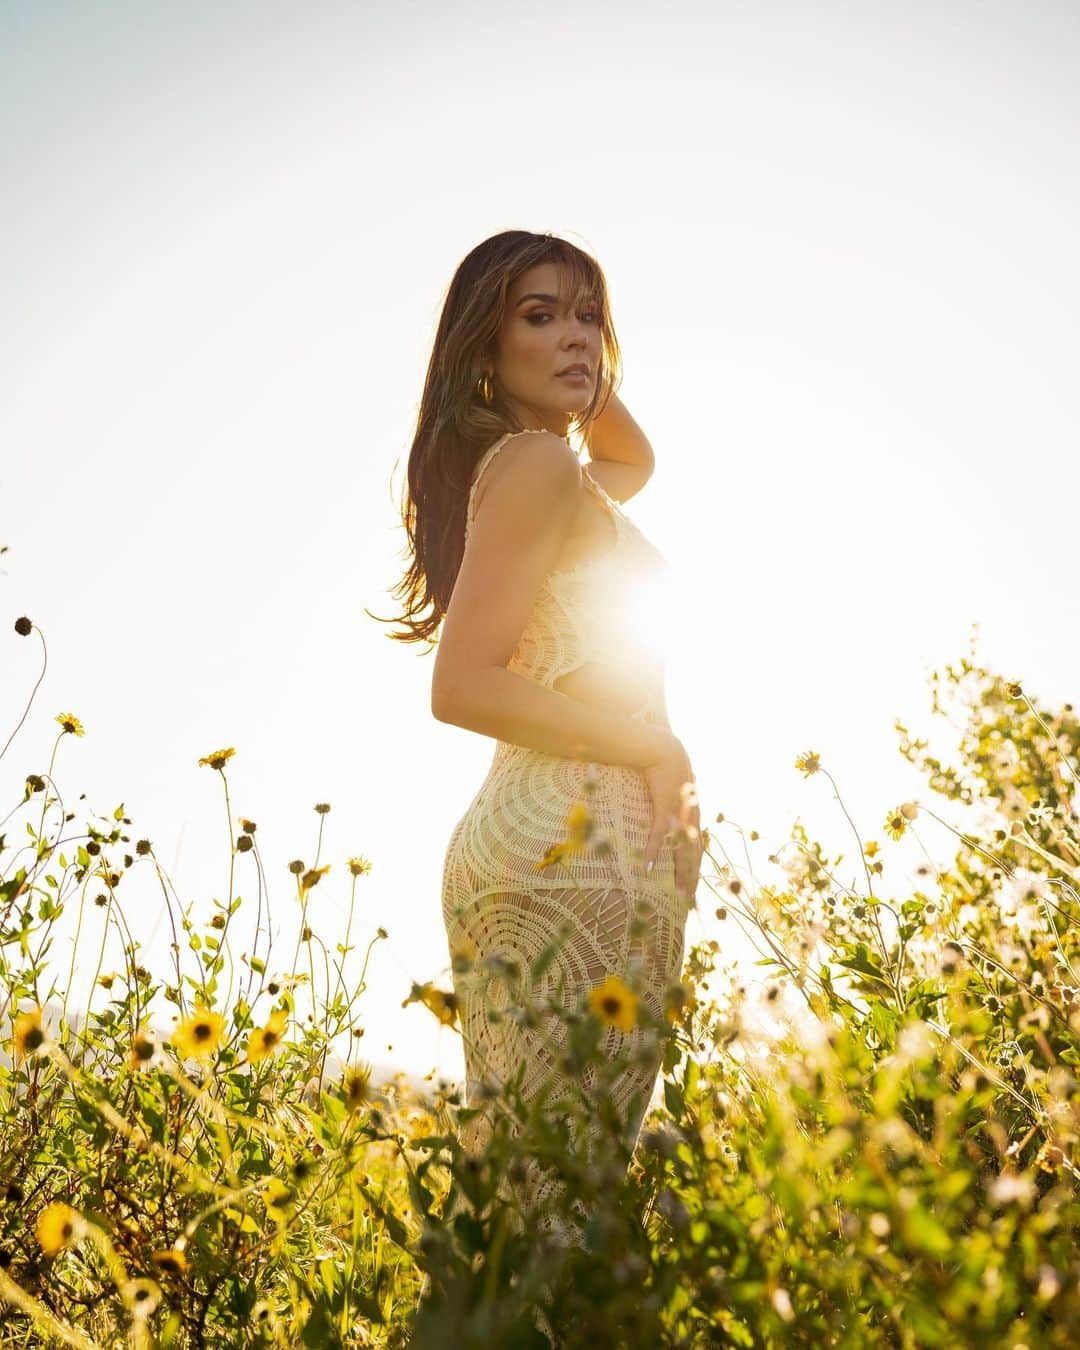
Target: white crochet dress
<point>497,905</point>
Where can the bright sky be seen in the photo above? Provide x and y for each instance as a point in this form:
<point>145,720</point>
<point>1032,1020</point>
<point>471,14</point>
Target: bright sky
<point>841,248</point>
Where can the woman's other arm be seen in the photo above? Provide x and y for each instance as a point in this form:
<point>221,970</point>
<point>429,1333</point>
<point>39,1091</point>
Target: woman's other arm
<point>621,457</point>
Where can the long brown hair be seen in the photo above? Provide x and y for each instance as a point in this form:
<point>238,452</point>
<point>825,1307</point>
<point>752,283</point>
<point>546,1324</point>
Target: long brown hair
<point>455,426</point>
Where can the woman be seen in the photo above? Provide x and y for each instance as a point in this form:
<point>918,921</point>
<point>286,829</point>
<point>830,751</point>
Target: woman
<point>540,583</point>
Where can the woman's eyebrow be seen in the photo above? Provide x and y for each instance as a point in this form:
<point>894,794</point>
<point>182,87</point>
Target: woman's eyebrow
<point>550,299</point>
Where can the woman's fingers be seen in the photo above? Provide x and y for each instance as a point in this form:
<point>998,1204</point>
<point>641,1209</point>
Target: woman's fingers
<point>657,835</point>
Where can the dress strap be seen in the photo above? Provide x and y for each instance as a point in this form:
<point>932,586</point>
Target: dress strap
<point>481,468</point>
<point>600,492</point>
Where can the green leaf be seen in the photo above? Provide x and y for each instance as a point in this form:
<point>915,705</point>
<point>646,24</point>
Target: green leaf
<point>861,961</point>
<point>421,1196</point>
<point>673,1098</point>
<point>693,1073</point>
<point>925,1233</point>
<point>319,1332</point>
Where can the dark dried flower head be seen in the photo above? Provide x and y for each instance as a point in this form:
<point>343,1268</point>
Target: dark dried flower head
<point>302,1170</point>
<point>248,826</point>
<point>244,843</point>
<point>296,867</point>
<point>322,808</point>
<point>23,626</point>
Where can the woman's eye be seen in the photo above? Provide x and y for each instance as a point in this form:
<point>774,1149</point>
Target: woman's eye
<point>542,314</point>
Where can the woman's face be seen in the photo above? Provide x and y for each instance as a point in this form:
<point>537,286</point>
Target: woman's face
<point>541,334</point>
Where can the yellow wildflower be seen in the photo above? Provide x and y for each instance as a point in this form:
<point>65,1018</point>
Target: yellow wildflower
<point>895,824</point>
<point>808,762</point>
<point>614,1003</point>
<point>172,1260</point>
<point>871,848</point>
<point>217,759</point>
<point>143,1049</point>
<point>277,1197</point>
<point>359,866</point>
<point>59,1226</point>
<point>311,877</point>
<point>71,723</point>
<point>355,1087</point>
<point>579,828</point>
<point>262,1040</point>
<point>198,1035</point>
<point>441,1002</point>
<point>141,1297</point>
<point>29,1034</point>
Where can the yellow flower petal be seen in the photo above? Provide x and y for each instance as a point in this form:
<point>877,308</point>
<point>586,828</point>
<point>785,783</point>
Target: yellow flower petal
<point>217,759</point>
<point>614,1003</point>
<point>264,1040</point>
<point>198,1035</point>
<point>29,1034</point>
<point>59,1226</point>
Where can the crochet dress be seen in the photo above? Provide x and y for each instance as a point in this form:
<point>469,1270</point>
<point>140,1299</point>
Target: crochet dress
<point>501,911</point>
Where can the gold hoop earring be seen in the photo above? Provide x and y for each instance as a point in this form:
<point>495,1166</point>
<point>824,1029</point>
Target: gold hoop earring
<point>484,386</point>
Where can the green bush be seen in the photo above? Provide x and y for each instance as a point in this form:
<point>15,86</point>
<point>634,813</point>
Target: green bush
<point>877,1150</point>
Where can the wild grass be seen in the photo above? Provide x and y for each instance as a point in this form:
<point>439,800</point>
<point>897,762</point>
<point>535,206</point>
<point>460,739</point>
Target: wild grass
<point>891,1163</point>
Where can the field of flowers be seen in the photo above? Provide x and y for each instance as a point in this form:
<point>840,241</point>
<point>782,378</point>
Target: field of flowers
<point>894,1165</point>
